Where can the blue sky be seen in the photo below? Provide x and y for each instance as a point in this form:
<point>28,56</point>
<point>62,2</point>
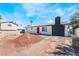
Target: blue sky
<point>39,13</point>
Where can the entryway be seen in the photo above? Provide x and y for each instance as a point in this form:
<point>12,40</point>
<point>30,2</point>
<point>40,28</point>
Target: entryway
<point>38,29</point>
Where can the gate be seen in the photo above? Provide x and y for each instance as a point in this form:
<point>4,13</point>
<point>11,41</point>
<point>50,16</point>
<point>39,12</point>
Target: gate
<point>58,30</point>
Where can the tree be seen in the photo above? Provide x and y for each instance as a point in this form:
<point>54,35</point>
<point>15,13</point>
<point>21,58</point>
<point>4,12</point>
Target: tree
<point>31,22</point>
<point>75,22</point>
<point>0,21</point>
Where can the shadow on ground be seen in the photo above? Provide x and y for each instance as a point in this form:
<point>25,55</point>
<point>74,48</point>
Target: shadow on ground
<point>63,51</point>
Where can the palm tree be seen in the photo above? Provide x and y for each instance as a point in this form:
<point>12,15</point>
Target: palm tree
<point>31,22</point>
<point>75,22</point>
<point>0,21</point>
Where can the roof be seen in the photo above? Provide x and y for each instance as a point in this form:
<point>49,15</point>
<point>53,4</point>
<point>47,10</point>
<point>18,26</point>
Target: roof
<point>10,22</point>
<point>49,25</point>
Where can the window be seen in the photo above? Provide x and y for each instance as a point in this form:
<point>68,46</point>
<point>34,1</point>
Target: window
<point>44,28</point>
<point>9,25</point>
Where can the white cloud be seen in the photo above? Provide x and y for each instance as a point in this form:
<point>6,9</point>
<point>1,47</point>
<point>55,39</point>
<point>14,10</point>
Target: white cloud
<point>38,9</point>
<point>70,9</point>
<point>50,21</point>
<point>43,16</point>
<point>33,9</point>
<point>5,16</point>
<point>59,12</point>
<point>72,12</point>
<point>42,11</point>
<point>15,17</point>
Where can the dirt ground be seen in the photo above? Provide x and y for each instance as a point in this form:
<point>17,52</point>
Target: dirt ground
<point>38,45</point>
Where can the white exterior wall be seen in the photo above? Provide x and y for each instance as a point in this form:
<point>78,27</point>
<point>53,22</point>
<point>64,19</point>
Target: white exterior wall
<point>28,30</point>
<point>49,30</point>
<point>6,27</point>
<point>67,31</point>
<point>77,32</point>
<point>34,30</point>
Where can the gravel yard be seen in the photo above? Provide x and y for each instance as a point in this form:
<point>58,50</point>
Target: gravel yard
<point>36,45</point>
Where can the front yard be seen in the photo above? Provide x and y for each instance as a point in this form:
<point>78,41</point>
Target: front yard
<point>35,45</point>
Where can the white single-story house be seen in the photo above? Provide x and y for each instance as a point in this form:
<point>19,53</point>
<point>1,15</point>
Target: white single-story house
<point>8,26</point>
<point>56,29</point>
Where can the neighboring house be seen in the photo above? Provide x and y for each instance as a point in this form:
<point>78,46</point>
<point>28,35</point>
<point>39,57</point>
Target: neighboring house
<point>8,26</point>
<point>56,29</point>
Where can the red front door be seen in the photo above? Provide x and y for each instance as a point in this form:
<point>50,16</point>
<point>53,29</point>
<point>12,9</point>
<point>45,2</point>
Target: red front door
<point>37,29</point>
